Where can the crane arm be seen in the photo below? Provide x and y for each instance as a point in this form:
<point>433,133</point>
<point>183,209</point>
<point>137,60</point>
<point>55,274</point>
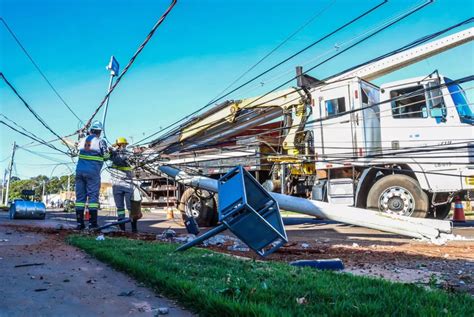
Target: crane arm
<point>282,98</point>
<point>397,61</point>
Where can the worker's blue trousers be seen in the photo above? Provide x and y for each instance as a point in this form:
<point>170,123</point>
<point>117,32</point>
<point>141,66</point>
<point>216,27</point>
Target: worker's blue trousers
<point>87,186</point>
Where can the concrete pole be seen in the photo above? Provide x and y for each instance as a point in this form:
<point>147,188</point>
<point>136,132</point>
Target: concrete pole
<point>42,195</point>
<point>68,186</point>
<point>10,168</point>
<point>407,226</point>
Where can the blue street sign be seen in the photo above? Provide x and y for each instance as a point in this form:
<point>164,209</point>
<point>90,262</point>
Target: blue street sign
<point>113,66</point>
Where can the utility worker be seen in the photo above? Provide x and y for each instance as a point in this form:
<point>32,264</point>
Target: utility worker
<point>92,154</point>
<point>122,181</point>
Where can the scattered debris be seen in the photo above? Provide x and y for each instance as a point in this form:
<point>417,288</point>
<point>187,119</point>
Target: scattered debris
<point>355,245</point>
<point>185,238</point>
<point>41,289</point>
<point>3,240</point>
<point>328,264</point>
<point>100,238</point>
<point>129,293</point>
<point>238,247</point>
<point>162,311</point>
<point>91,281</point>
<point>29,264</point>
<point>302,300</point>
<point>66,280</point>
<point>59,226</point>
<point>218,240</point>
<point>168,234</point>
<point>109,230</point>
<point>305,245</point>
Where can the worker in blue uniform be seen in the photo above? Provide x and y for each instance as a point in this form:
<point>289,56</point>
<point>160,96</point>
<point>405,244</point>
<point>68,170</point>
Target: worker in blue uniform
<point>92,154</point>
<point>122,181</point>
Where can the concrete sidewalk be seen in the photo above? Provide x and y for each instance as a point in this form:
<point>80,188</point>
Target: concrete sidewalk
<point>63,281</point>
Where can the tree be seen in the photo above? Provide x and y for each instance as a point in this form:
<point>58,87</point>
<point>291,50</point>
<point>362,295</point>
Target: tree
<point>52,186</point>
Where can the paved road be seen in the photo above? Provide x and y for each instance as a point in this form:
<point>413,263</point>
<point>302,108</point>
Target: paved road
<point>299,228</point>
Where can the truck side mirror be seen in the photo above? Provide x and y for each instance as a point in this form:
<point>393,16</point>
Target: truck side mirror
<point>439,114</point>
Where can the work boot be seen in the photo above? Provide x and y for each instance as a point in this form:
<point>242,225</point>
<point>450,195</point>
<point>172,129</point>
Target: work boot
<point>93,219</point>
<point>80,220</point>
<point>122,225</point>
<point>134,226</point>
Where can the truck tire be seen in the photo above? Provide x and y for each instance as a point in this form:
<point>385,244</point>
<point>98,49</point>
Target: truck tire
<point>441,212</point>
<point>200,207</point>
<point>398,194</point>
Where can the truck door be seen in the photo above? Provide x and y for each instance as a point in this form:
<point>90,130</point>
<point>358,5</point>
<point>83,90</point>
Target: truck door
<point>335,136</point>
<point>370,95</point>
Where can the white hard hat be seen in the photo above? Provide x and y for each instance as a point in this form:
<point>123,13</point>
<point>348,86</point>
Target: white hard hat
<point>96,125</point>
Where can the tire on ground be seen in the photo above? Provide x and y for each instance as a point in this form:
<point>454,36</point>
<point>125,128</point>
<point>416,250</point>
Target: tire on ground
<point>420,198</point>
<point>204,208</point>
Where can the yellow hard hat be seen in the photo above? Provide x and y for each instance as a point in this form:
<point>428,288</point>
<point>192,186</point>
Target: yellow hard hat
<point>121,141</point>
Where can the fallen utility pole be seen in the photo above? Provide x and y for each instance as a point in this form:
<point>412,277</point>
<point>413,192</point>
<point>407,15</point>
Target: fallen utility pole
<point>412,227</point>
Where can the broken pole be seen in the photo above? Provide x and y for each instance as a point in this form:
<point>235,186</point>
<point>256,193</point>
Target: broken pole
<point>412,227</point>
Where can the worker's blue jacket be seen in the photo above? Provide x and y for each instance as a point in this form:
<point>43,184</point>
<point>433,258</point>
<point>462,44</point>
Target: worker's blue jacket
<point>92,154</point>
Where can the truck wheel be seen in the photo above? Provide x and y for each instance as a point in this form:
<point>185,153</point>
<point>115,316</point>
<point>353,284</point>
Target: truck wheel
<point>201,207</point>
<point>441,211</point>
<point>398,194</point>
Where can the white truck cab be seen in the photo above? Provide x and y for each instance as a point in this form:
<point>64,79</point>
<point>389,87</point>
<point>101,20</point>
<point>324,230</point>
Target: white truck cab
<point>409,155</point>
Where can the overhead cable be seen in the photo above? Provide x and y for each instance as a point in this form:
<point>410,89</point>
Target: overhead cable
<point>268,70</point>
<point>130,63</point>
<point>30,137</point>
<point>35,114</point>
<point>38,68</point>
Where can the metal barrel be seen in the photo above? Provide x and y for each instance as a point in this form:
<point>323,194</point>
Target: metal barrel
<point>24,209</point>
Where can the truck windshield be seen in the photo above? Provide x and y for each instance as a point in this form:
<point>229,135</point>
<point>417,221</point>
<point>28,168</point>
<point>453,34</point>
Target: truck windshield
<point>464,109</point>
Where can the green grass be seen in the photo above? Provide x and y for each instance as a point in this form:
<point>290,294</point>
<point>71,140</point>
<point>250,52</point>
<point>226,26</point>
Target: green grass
<point>213,284</point>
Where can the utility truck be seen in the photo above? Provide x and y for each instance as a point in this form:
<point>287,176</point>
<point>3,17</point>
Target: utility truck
<point>404,148</point>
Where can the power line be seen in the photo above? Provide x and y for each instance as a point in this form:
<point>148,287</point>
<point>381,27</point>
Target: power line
<point>130,63</point>
<point>322,119</point>
<point>299,29</point>
<point>30,137</point>
<point>38,68</point>
<point>268,70</point>
<point>401,17</point>
<point>43,156</point>
<point>410,12</point>
<point>417,92</point>
<point>36,115</point>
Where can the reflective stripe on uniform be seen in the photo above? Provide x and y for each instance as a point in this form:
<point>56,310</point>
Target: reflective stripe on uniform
<point>93,205</point>
<point>122,168</point>
<point>121,213</point>
<point>91,158</point>
<point>106,156</point>
<point>80,204</point>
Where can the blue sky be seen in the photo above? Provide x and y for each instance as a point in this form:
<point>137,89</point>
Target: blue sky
<point>202,46</point>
